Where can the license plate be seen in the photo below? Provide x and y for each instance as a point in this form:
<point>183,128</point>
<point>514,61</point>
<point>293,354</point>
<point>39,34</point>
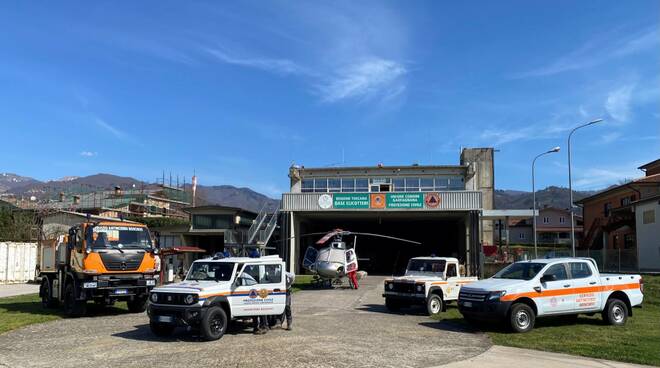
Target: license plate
<point>165,319</point>
<point>121,291</point>
<point>467,304</point>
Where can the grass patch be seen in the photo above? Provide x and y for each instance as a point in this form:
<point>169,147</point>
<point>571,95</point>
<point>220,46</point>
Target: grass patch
<point>302,282</point>
<point>24,310</point>
<point>636,342</point>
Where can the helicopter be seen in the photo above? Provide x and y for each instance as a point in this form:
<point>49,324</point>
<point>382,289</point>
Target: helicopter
<point>333,262</point>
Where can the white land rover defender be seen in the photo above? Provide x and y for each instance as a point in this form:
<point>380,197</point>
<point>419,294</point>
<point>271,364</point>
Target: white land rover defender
<point>216,291</point>
<point>430,281</point>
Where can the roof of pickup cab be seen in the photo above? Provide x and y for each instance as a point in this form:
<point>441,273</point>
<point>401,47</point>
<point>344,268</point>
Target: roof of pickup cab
<point>263,259</point>
<point>434,258</point>
<point>550,260</point>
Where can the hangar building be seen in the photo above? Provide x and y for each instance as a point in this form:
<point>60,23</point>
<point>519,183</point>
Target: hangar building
<point>440,206</point>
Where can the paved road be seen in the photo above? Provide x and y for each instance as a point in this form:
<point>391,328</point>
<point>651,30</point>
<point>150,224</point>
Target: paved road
<point>18,289</point>
<point>332,328</point>
<point>506,357</point>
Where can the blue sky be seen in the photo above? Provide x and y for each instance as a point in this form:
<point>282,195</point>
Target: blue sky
<point>240,91</point>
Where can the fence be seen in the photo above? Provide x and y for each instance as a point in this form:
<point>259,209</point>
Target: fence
<point>610,260</point>
<point>17,262</point>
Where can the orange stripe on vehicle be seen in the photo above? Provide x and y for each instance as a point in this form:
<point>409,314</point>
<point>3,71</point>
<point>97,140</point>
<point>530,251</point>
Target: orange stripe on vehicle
<point>581,290</point>
<point>235,293</point>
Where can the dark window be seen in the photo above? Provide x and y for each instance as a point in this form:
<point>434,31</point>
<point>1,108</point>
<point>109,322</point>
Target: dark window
<point>629,241</point>
<point>451,270</point>
<point>399,185</point>
<point>441,183</point>
<point>456,183</point>
<point>361,185</point>
<point>606,209</point>
<point>412,184</point>
<point>334,185</point>
<point>348,185</point>
<point>426,184</point>
<point>212,221</point>
<point>580,270</point>
<point>307,185</point>
<point>321,185</point>
<point>559,270</point>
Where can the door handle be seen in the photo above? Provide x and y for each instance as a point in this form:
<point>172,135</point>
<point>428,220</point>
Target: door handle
<point>567,285</point>
<point>592,283</point>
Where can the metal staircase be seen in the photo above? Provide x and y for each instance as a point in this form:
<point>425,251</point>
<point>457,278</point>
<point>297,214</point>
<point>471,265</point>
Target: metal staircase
<point>264,225</point>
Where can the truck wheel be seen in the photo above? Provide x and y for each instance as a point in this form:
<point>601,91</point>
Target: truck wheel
<point>161,329</point>
<point>47,299</point>
<point>214,324</point>
<point>137,305</point>
<point>434,305</point>
<point>616,312</point>
<point>521,317</point>
<point>392,305</point>
<point>73,307</point>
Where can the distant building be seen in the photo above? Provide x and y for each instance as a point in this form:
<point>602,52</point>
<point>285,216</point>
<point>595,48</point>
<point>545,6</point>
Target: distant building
<point>553,227</point>
<point>611,223</point>
<point>647,226</point>
<point>165,201</point>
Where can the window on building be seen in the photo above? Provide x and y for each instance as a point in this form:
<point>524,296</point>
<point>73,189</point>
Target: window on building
<point>627,200</point>
<point>521,236</point>
<point>456,183</point>
<point>212,221</point>
<point>307,185</point>
<point>399,185</point>
<point>648,217</point>
<point>546,220</point>
<point>412,184</point>
<point>361,185</point>
<point>426,184</point>
<point>441,183</point>
<point>348,185</point>
<point>607,207</point>
<point>629,241</point>
<point>321,185</point>
<point>562,219</point>
<point>334,185</point>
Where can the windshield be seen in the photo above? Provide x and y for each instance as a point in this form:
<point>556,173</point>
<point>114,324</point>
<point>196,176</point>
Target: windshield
<point>426,266</point>
<point>520,271</point>
<point>122,237</point>
<point>210,271</point>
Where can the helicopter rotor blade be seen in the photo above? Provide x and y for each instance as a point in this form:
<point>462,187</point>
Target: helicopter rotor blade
<point>389,237</point>
<point>330,235</point>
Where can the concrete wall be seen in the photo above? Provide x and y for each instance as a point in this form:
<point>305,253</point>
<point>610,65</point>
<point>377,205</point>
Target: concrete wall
<point>481,177</point>
<point>17,262</point>
<point>648,236</point>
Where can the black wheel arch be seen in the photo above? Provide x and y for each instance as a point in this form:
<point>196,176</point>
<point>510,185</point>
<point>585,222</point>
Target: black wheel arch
<point>527,301</point>
<point>220,301</point>
<point>624,298</point>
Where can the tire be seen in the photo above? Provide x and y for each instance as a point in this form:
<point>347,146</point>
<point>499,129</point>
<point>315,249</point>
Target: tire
<point>46,295</point>
<point>392,305</point>
<point>521,318</point>
<point>161,329</point>
<point>137,305</point>
<point>73,307</point>
<point>434,305</point>
<point>616,312</point>
<point>214,324</point>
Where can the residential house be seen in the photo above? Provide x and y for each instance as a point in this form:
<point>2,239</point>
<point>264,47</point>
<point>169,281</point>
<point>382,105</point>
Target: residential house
<point>553,227</point>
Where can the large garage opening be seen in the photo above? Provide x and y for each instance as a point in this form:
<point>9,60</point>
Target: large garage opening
<point>441,234</point>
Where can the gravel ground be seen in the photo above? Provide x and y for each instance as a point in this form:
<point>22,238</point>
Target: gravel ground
<point>332,328</point>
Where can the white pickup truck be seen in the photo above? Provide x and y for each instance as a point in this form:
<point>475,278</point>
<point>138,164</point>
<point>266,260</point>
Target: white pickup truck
<point>217,290</point>
<point>430,281</point>
<point>548,287</point>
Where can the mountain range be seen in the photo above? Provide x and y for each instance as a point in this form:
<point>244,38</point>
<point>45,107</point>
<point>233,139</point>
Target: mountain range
<point>227,195</point>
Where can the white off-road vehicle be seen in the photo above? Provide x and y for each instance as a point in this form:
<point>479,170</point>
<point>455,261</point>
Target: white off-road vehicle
<point>430,281</point>
<point>216,291</point>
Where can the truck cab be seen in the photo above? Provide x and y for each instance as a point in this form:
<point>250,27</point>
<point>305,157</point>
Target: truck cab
<point>105,262</point>
<point>431,281</point>
<point>216,291</point>
<point>525,290</point>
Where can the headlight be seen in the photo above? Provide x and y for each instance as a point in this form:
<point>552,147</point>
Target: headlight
<point>90,285</point>
<point>189,299</point>
<point>390,286</point>
<point>420,288</point>
<point>154,297</point>
<point>151,282</point>
<point>496,295</point>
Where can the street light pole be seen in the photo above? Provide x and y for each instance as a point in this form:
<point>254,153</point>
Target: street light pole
<point>556,149</point>
<point>570,182</point>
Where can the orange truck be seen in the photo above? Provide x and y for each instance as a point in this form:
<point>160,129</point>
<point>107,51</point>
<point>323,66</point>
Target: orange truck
<point>102,262</point>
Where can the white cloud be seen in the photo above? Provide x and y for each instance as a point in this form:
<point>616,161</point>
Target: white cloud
<point>599,178</point>
<point>610,137</point>
<point>279,66</point>
<point>111,129</point>
<point>618,102</point>
<point>365,80</point>
<point>598,51</point>
<point>88,154</point>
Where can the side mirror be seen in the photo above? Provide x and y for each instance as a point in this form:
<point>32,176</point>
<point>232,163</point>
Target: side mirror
<point>548,277</point>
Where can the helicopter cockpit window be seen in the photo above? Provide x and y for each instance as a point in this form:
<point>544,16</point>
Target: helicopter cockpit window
<point>417,266</point>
